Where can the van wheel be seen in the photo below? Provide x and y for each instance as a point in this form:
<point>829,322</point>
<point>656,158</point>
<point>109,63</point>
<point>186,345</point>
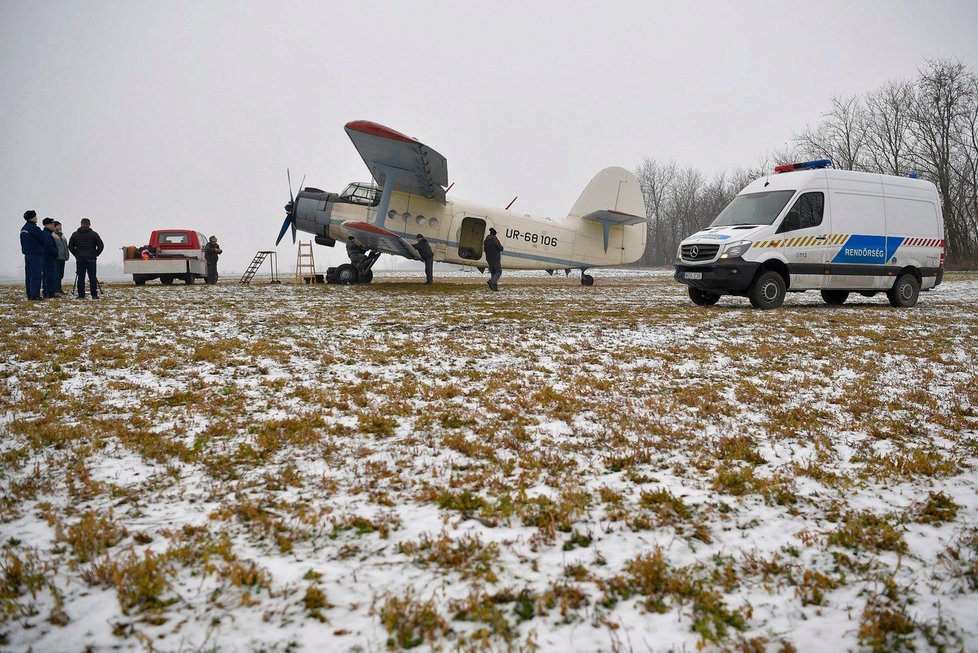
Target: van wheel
<point>835,297</point>
<point>166,281</point>
<point>139,279</point>
<point>701,298</point>
<point>904,292</point>
<point>868,293</point>
<point>767,291</point>
<point>188,279</point>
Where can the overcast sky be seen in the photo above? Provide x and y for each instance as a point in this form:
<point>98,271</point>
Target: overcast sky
<point>144,115</point>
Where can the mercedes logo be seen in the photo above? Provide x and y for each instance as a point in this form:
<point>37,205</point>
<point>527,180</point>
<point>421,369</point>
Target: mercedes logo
<point>694,251</point>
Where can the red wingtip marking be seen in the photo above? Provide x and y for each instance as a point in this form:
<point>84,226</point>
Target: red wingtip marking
<point>375,129</point>
<point>372,228</point>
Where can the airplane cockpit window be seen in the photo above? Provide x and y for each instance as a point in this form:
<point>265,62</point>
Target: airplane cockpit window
<point>357,193</point>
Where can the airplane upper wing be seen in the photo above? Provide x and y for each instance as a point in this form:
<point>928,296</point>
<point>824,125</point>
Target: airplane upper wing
<point>425,170</point>
<point>380,239</point>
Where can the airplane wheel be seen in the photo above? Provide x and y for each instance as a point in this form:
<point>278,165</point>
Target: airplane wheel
<point>366,276</point>
<point>587,280</point>
<point>346,274</point>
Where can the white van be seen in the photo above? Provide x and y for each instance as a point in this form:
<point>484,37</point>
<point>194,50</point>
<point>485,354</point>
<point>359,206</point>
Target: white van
<point>808,227</point>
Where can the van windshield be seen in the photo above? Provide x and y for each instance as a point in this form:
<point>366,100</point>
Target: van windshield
<point>753,208</point>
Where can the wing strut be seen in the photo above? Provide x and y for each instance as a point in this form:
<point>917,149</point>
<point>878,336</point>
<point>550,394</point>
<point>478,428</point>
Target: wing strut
<point>390,174</point>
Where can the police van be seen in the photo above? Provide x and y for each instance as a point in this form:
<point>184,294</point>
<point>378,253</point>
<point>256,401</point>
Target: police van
<point>809,227</point>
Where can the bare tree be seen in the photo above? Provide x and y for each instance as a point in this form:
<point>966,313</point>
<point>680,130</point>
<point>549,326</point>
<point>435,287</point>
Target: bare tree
<point>888,120</point>
<point>656,181</point>
<point>840,136</point>
<point>945,94</point>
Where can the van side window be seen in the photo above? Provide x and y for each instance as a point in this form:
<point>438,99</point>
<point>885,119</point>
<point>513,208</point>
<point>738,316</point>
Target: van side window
<point>808,208</point>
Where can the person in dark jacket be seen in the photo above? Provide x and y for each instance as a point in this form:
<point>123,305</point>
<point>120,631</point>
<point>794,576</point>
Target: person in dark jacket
<point>428,256</point>
<point>85,245</point>
<point>493,249</point>
<point>62,242</point>
<point>32,246</point>
<point>211,251</point>
<point>356,252</point>
<point>49,277</point>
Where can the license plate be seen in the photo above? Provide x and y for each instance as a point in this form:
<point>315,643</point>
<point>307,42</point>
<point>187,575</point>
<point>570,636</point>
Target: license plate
<point>692,275</point>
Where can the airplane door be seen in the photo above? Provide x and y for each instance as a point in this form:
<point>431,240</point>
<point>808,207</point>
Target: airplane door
<point>470,234</point>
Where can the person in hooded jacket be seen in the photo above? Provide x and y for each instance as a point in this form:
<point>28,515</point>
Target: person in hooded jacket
<point>85,245</point>
<point>49,277</point>
<point>356,252</point>
<point>32,246</point>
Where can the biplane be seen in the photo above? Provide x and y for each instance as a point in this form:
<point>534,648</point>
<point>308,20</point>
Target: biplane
<point>407,197</point>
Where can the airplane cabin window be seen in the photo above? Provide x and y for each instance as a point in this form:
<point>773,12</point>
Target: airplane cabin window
<point>420,219</point>
<point>433,222</point>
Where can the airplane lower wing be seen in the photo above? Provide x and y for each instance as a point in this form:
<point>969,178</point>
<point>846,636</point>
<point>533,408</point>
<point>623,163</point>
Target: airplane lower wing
<point>381,240</point>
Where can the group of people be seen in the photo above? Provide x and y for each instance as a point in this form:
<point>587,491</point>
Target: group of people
<point>491,246</point>
<point>46,250</point>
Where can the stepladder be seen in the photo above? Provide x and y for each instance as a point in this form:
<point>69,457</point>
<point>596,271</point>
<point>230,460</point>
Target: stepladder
<point>256,263</point>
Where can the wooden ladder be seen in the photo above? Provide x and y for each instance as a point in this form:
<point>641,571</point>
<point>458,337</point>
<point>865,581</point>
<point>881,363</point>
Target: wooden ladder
<point>305,264</point>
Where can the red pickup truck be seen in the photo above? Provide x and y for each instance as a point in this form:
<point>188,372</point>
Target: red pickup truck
<point>171,254</point>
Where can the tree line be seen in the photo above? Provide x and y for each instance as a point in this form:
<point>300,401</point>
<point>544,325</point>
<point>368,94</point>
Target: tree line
<point>927,125</point>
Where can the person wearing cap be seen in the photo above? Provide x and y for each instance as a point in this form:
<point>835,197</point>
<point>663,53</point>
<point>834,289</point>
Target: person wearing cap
<point>62,242</point>
<point>493,249</point>
<point>49,275</point>
<point>85,245</point>
<point>428,256</point>
<point>211,251</point>
<point>32,246</point>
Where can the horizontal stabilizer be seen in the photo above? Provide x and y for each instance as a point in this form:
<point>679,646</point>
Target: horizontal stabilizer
<point>614,217</point>
<point>381,240</point>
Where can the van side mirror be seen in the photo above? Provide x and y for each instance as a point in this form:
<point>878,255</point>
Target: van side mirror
<point>791,222</point>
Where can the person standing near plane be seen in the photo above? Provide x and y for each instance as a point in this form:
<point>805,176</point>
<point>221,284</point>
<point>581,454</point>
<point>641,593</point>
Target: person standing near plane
<point>428,256</point>
<point>32,246</point>
<point>50,282</point>
<point>62,243</point>
<point>493,249</point>
<point>85,245</point>
<point>211,252</point>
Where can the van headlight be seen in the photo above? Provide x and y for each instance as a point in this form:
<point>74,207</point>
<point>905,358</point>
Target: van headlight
<point>736,249</point>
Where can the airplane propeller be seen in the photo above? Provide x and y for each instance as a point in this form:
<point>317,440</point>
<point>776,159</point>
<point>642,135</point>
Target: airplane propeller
<point>290,209</point>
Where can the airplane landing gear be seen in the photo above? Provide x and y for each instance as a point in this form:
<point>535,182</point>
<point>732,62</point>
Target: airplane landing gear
<point>586,279</point>
<point>350,273</point>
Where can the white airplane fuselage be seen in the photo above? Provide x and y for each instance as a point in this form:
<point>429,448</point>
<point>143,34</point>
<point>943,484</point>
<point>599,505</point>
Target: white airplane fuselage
<point>457,229</point>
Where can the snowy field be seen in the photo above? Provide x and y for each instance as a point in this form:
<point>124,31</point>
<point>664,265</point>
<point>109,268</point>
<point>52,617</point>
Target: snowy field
<point>550,467</point>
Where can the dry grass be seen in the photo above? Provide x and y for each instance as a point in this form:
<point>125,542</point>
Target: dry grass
<point>400,466</point>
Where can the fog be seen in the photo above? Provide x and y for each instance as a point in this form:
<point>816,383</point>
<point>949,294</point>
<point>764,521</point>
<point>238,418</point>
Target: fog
<point>145,115</point>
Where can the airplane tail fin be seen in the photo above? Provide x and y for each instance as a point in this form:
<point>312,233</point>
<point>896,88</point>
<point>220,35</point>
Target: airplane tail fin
<point>613,190</point>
